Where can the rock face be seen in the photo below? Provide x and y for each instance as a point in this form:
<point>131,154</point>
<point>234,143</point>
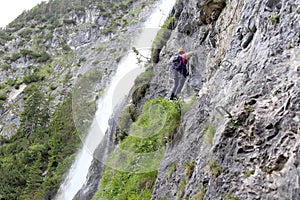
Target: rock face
<point>97,167</point>
<point>247,55</point>
<point>77,37</point>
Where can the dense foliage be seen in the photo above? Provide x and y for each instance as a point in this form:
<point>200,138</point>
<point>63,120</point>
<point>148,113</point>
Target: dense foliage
<point>37,56</point>
<point>33,162</point>
<point>131,175</point>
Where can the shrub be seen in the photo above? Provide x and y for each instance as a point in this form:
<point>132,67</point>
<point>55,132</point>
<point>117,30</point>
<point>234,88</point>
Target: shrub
<point>127,116</point>
<point>84,104</point>
<point>96,62</point>
<point>190,166</point>
<point>15,56</point>
<point>170,23</point>
<point>11,82</point>
<point>181,189</point>
<point>3,96</point>
<point>82,59</point>
<point>119,185</point>
<point>49,36</point>
<point>171,169</point>
<point>248,108</point>
<point>26,32</point>
<point>69,21</point>
<point>66,48</point>
<point>43,57</point>
<point>5,36</point>
<point>53,86</point>
<point>215,169</point>
<point>49,148</point>
<point>209,133</point>
<point>199,195</point>
<point>3,86</point>
<point>35,77</point>
<point>5,67</point>
<point>141,85</point>
<point>161,38</point>
<point>231,197</point>
<point>274,19</point>
<point>26,52</point>
<point>158,43</point>
<point>249,173</point>
<point>158,118</point>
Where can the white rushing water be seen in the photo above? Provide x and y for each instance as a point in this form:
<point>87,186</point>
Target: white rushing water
<point>119,87</point>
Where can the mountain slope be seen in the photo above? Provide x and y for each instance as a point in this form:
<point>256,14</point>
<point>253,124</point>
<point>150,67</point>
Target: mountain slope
<point>55,61</point>
<point>240,139</point>
<point>247,54</point>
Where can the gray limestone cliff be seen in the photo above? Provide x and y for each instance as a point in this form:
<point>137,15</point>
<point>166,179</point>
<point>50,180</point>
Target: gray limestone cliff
<point>247,53</point>
<point>240,139</point>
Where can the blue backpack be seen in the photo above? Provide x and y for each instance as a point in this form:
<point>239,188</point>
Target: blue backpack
<point>176,60</point>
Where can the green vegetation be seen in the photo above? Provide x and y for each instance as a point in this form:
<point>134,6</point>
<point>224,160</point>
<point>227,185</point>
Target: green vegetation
<point>43,57</point>
<point>82,59</point>
<point>95,62</point>
<point>199,195</point>
<point>248,108</point>
<point>170,23</point>
<point>209,133</point>
<point>5,67</point>
<point>115,6</point>
<point>172,169</point>
<point>190,166</point>
<point>234,123</point>
<point>39,57</point>
<point>66,48</point>
<point>109,30</point>
<point>127,116</point>
<point>38,74</point>
<point>4,37</point>
<point>138,9</point>
<point>249,173</point>
<point>84,100</point>
<point>141,85</point>
<point>181,189</point>
<point>123,185</point>
<point>162,37</point>
<point>3,95</point>
<point>274,18</point>
<point>2,86</point>
<point>53,86</point>
<point>26,32</point>
<point>34,160</point>
<point>266,169</point>
<point>250,135</point>
<point>158,43</point>
<point>231,197</point>
<point>159,118</point>
<point>214,168</point>
<point>132,167</point>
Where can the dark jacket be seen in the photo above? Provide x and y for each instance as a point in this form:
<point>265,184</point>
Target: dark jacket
<point>180,64</point>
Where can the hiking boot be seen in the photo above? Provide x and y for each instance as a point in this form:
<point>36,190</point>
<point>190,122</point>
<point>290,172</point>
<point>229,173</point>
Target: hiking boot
<point>173,97</point>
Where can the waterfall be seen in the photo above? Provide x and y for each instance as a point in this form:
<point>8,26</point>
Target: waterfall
<point>119,87</point>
